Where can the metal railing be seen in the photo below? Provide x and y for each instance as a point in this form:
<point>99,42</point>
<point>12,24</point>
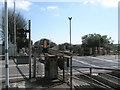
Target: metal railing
<point>91,68</point>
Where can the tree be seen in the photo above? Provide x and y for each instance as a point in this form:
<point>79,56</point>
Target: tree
<point>52,44</point>
<point>67,46</point>
<point>1,26</point>
<point>96,40</point>
<point>21,24</point>
<point>22,40</point>
<point>76,48</point>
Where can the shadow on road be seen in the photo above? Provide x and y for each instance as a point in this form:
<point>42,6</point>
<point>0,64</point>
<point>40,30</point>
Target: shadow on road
<point>46,84</point>
<point>20,70</point>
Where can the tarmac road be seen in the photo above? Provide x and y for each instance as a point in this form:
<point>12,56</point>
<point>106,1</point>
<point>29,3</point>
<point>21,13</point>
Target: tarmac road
<point>22,70</point>
<point>100,61</point>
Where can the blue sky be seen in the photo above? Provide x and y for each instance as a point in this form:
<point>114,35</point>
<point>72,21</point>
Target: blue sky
<point>50,19</point>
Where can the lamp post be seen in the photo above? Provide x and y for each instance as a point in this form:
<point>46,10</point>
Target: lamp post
<point>70,18</point>
<point>6,46</point>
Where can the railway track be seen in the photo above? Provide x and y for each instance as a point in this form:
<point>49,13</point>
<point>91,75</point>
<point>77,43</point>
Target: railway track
<point>102,81</point>
<point>55,52</point>
<point>109,80</point>
<point>58,52</point>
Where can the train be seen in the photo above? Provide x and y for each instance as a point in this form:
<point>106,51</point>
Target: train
<point>42,46</point>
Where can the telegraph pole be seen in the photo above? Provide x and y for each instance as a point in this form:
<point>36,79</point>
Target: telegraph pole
<point>70,18</point>
<point>15,48</point>
<point>6,46</point>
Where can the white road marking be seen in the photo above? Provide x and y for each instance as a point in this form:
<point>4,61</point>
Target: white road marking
<point>102,59</point>
<point>17,77</point>
<point>85,63</point>
<point>108,60</point>
<point>14,65</point>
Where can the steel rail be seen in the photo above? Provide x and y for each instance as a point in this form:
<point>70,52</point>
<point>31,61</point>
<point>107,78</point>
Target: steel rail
<point>110,88</point>
<point>98,68</point>
<point>94,84</point>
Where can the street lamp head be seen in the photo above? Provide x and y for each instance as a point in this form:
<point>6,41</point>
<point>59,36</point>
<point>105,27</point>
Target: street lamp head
<point>69,18</point>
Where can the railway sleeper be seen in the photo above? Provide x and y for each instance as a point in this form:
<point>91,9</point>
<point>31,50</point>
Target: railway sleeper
<point>110,77</point>
<point>107,81</point>
<point>88,87</point>
<point>94,84</point>
<point>115,73</point>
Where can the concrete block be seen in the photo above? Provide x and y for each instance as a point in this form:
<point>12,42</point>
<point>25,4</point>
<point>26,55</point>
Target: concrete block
<point>51,67</point>
<point>22,59</point>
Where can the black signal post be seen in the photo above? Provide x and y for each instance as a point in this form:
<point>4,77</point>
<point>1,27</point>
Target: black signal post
<point>29,49</point>
<point>28,31</point>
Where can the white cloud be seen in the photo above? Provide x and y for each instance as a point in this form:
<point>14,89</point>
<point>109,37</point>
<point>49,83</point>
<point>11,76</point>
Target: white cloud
<point>49,8</point>
<point>10,3</point>
<point>25,5</point>
<point>20,4</point>
<point>105,3</point>
<point>52,7</point>
<point>88,1</point>
<point>110,3</point>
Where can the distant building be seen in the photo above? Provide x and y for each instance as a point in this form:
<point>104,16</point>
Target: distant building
<point>62,47</point>
<point>11,50</point>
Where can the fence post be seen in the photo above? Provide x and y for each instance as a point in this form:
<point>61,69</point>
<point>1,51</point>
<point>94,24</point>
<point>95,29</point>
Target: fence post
<point>90,71</point>
<point>63,68</point>
<point>34,67</point>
